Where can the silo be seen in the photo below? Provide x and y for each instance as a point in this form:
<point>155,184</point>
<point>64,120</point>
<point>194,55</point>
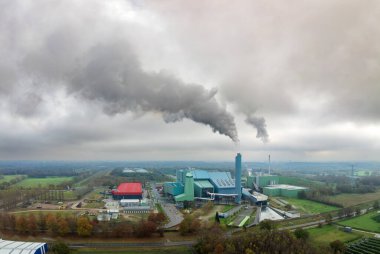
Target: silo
<point>189,187</point>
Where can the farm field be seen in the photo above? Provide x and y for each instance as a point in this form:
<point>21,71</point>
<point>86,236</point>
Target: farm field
<point>368,245</point>
<point>8,178</point>
<point>355,199</point>
<point>43,182</point>
<point>364,222</point>
<point>309,207</point>
<point>329,233</point>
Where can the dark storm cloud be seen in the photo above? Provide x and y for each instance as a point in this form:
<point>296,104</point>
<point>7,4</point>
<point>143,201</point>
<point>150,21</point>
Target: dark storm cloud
<point>91,57</point>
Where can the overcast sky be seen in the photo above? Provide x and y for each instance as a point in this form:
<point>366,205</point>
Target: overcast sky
<point>190,80</point>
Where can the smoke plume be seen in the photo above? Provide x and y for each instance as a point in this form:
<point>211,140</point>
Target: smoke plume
<point>98,65</point>
<point>112,75</point>
<point>260,125</point>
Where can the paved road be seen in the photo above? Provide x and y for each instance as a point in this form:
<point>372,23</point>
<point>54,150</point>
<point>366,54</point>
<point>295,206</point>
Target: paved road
<point>175,217</point>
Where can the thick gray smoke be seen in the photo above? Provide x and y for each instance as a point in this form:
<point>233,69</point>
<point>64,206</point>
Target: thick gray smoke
<point>260,125</point>
<point>113,76</point>
<point>91,58</point>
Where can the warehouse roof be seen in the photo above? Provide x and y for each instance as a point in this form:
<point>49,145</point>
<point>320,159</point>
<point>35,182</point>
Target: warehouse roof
<point>203,184</point>
<point>200,174</point>
<point>128,189</point>
<point>285,187</point>
<point>222,179</point>
<point>13,247</point>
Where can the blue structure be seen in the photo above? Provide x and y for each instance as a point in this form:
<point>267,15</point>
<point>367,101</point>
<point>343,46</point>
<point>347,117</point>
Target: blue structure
<point>238,177</point>
<point>173,188</point>
<point>221,182</point>
<point>209,185</point>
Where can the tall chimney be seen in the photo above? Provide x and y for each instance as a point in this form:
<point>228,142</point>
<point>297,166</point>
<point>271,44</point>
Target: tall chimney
<point>269,165</point>
<point>238,177</point>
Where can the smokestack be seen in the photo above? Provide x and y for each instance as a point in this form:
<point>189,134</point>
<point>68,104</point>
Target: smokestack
<point>238,177</point>
<point>269,165</point>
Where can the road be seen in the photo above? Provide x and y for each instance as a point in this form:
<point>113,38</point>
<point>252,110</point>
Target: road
<point>174,216</point>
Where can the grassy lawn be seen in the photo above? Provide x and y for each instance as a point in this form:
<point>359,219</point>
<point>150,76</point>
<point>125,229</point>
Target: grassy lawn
<point>166,250</point>
<point>37,212</point>
<point>310,207</point>
<point>227,208</point>
<point>298,221</point>
<point>44,182</point>
<point>364,222</point>
<point>69,195</point>
<point>328,233</point>
<point>364,172</point>
<point>7,178</point>
<point>355,199</point>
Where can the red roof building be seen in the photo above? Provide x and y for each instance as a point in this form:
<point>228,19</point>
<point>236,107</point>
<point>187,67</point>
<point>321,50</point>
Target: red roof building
<point>128,190</point>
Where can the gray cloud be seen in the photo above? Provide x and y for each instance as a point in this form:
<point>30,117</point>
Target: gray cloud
<point>103,69</point>
<point>292,66</point>
<point>269,55</point>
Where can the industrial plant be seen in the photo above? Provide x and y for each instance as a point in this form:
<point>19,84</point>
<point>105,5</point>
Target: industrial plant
<point>198,186</point>
<point>194,187</point>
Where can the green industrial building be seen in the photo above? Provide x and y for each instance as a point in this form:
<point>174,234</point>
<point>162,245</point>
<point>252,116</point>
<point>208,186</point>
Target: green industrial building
<point>188,194</point>
<point>262,180</point>
<point>283,190</point>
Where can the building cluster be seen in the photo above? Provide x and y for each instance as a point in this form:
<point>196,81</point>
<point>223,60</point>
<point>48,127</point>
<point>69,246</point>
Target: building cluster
<point>191,185</point>
<point>197,185</point>
<point>130,198</point>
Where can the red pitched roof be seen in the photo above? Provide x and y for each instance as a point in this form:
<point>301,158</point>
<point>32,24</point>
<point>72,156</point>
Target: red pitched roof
<point>128,189</point>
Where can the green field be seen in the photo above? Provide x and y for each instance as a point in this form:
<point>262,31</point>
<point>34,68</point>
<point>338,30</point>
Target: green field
<point>37,212</point>
<point>43,182</point>
<point>69,195</point>
<point>8,178</point>
<point>363,172</point>
<point>364,222</point>
<point>323,236</point>
<point>309,207</point>
<point>355,199</point>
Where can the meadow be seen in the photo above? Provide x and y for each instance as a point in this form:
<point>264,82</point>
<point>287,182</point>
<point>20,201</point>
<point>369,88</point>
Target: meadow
<point>364,222</point>
<point>43,182</point>
<point>7,178</point>
<point>309,207</point>
<point>354,199</point>
<point>329,233</point>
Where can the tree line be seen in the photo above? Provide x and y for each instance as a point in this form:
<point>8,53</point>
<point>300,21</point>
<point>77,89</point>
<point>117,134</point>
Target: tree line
<point>262,239</point>
<point>58,224</point>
